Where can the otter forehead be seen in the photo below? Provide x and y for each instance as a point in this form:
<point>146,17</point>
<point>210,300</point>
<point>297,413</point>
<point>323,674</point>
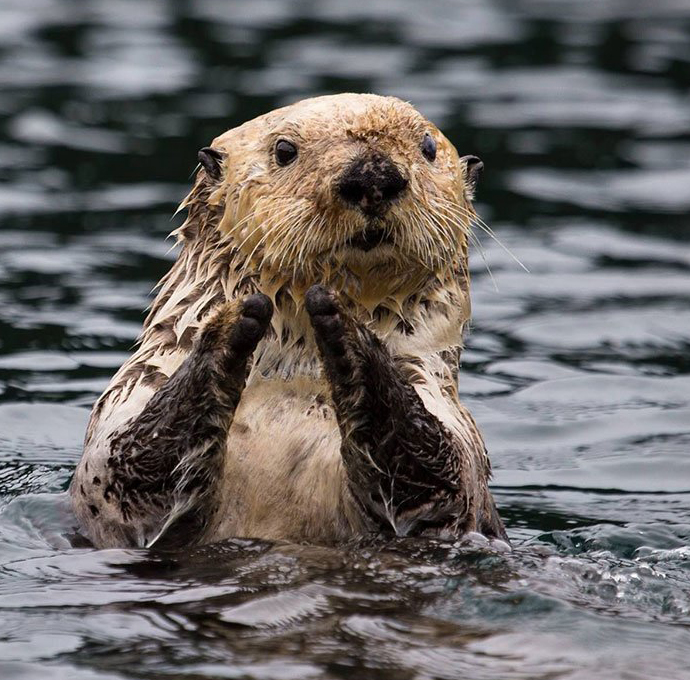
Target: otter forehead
<point>352,113</point>
<point>340,115</point>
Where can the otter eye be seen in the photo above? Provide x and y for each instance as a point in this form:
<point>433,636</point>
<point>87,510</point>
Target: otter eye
<point>429,147</point>
<point>285,151</point>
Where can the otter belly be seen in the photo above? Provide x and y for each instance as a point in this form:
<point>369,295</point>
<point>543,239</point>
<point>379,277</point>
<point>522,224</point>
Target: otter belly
<point>283,476</point>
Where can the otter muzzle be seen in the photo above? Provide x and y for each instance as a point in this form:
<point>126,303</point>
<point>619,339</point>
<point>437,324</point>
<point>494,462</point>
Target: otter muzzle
<point>371,184</point>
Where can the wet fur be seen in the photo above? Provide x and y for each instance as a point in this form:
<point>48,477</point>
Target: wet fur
<point>340,416</point>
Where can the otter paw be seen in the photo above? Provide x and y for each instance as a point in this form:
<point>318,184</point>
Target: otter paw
<point>320,301</point>
<point>325,315</point>
<point>330,327</point>
<point>251,325</point>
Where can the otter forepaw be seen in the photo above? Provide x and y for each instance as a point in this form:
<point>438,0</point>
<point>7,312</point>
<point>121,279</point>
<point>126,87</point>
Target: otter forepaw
<point>237,327</point>
<point>321,301</point>
<point>254,316</point>
<point>327,320</point>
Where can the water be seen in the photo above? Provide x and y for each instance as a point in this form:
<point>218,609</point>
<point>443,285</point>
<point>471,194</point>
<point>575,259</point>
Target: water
<point>578,372</point>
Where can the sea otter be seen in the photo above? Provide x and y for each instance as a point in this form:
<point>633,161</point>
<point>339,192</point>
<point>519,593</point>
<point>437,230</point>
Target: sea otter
<point>296,374</point>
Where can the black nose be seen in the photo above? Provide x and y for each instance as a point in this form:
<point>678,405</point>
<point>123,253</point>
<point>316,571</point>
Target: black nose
<point>371,183</point>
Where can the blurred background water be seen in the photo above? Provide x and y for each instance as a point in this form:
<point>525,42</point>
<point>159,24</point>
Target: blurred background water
<point>578,372</point>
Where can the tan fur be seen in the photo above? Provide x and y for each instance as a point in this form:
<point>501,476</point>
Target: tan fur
<point>278,230</point>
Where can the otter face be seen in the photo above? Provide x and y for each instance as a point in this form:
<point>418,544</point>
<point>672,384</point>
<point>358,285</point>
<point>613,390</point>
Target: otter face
<point>356,181</point>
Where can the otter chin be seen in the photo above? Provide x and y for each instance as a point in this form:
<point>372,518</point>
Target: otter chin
<point>296,376</point>
<point>372,237</point>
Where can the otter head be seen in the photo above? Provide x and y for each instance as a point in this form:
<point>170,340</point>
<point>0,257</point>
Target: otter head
<point>352,183</point>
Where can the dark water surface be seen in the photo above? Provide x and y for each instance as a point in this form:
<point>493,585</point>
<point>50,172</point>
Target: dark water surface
<point>578,372</point>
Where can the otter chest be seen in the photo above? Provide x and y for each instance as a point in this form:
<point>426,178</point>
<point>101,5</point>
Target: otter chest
<point>283,470</point>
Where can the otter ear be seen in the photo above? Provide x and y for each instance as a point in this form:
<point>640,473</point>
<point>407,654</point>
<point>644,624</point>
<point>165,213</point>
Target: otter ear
<point>473,171</point>
<point>212,160</point>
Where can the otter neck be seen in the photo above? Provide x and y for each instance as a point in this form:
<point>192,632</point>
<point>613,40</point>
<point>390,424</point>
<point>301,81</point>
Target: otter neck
<point>414,313</point>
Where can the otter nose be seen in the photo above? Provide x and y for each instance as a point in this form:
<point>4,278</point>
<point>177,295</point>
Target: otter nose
<point>371,183</point>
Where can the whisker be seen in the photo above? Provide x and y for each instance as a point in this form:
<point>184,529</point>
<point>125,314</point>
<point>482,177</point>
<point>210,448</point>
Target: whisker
<point>464,218</point>
<point>478,221</point>
<point>285,219</point>
<point>480,248</point>
<point>253,215</point>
